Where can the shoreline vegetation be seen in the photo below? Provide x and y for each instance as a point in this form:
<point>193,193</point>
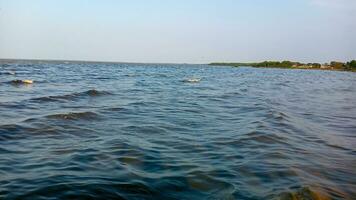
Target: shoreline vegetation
<point>334,65</point>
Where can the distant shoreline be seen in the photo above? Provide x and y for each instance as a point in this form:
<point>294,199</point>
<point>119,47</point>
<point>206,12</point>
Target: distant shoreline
<point>332,66</point>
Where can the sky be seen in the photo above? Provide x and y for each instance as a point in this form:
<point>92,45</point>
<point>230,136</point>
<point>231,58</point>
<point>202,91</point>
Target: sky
<point>179,31</point>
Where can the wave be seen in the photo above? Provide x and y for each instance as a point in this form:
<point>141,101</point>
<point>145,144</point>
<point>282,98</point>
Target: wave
<point>20,131</point>
<point>277,115</point>
<point>87,115</point>
<point>48,127</point>
<point>304,193</point>
<point>74,116</point>
<point>72,96</point>
<point>11,131</point>
<point>8,73</point>
<point>264,138</point>
<point>79,190</point>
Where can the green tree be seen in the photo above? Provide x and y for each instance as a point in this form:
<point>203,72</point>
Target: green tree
<point>286,64</point>
<point>351,65</point>
<point>316,65</point>
<point>336,65</point>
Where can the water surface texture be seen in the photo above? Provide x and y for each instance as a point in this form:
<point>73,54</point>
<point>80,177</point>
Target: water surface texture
<point>144,131</point>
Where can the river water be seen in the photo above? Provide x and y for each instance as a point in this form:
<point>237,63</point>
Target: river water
<point>144,131</point>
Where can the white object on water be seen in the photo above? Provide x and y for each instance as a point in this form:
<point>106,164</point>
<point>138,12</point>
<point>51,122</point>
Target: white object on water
<point>27,81</point>
<point>193,80</point>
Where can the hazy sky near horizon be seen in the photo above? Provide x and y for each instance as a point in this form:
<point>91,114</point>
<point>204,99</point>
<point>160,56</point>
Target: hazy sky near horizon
<point>179,31</point>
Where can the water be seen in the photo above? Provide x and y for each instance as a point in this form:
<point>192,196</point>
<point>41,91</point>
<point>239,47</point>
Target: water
<point>142,131</point>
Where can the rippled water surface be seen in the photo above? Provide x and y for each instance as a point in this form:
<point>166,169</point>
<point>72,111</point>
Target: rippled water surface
<point>145,131</point>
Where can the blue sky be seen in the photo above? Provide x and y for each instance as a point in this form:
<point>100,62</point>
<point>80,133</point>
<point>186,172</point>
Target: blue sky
<point>179,31</point>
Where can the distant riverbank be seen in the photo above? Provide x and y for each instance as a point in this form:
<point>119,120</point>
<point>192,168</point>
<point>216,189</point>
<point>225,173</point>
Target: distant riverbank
<point>338,66</point>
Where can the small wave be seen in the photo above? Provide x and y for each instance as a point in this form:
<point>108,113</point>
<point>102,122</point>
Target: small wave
<point>10,131</point>
<point>304,193</point>
<point>278,116</point>
<point>73,96</point>
<point>17,131</point>
<point>145,129</point>
<point>264,138</point>
<point>112,109</point>
<point>77,190</point>
<point>8,73</point>
<point>74,116</point>
<point>94,92</point>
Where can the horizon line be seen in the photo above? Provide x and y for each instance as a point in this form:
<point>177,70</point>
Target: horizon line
<point>125,62</point>
<point>95,61</point>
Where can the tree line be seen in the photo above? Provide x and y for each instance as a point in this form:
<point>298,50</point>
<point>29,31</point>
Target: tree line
<point>334,65</point>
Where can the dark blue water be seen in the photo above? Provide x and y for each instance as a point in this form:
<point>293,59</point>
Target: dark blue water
<point>142,131</point>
